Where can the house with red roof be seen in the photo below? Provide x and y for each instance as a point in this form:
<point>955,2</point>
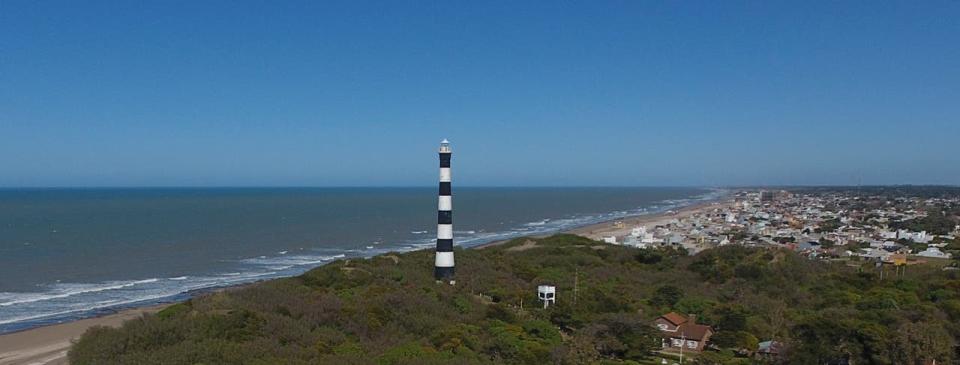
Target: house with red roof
<point>679,331</point>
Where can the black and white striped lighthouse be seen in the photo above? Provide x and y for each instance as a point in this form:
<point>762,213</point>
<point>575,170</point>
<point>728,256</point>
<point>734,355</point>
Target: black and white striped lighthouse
<point>443,267</point>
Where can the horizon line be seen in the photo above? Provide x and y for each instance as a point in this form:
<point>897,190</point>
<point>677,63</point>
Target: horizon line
<point>768,186</point>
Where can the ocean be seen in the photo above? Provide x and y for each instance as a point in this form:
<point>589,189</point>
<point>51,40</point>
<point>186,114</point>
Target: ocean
<point>67,254</point>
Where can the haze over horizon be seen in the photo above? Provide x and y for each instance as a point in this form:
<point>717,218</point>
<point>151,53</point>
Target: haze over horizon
<point>537,94</point>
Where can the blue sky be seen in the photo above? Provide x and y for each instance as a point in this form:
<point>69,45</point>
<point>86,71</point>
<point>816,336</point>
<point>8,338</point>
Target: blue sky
<point>319,93</point>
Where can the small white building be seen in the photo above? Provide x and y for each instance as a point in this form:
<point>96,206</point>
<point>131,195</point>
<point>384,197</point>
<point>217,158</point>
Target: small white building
<point>934,252</point>
<point>636,237</point>
<point>919,237</point>
<point>875,253</point>
<point>547,294</point>
<point>731,218</point>
<point>634,242</point>
<point>723,240</point>
<point>888,234</point>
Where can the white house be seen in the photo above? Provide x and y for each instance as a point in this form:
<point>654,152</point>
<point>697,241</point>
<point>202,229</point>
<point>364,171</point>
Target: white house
<point>919,237</point>
<point>934,252</point>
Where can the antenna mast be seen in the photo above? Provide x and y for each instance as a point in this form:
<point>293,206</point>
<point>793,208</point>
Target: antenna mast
<point>576,285</point>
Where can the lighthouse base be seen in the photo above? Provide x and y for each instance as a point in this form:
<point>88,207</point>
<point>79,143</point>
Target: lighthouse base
<point>443,274</point>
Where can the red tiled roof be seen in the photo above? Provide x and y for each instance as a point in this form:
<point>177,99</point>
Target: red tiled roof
<point>675,318</point>
<point>696,332</point>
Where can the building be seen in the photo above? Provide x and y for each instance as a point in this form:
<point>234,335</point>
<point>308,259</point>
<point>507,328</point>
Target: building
<point>766,196</point>
<point>770,350</point>
<point>547,294</point>
<point>679,331</point>
<point>919,237</point>
<point>934,252</point>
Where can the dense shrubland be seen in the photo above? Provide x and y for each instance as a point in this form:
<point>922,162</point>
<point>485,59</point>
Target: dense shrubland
<point>389,310</point>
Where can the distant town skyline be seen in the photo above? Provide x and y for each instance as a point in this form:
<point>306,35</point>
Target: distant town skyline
<point>216,93</point>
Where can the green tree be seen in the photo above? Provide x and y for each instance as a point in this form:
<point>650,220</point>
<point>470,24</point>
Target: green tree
<point>666,295</point>
<point>827,243</point>
<point>624,336</point>
<point>731,318</point>
<point>917,343</point>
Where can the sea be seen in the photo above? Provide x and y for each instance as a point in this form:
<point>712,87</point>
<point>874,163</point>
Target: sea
<point>67,254</point>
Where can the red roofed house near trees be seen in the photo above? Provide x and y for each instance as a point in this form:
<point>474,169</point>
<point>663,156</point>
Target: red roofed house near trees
<point>682,331</point>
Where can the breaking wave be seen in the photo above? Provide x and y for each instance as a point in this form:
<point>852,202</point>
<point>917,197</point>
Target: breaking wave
<point>63,302</point>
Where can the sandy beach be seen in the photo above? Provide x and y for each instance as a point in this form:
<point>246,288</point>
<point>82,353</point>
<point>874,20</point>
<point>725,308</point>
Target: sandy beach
<point>49,344</point>
<point>621,227</point>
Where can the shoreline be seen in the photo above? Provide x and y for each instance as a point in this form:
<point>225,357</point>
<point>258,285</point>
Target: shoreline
<point>49,344</point>
<point>598,230</point>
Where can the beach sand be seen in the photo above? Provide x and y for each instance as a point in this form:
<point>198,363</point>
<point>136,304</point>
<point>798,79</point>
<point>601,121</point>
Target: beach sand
<point>49,344</point>
<point>621,227</point>
<point>612,228</point>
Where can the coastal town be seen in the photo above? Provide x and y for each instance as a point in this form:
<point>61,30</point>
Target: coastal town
<point>880,231</point>
<point>818,225</point>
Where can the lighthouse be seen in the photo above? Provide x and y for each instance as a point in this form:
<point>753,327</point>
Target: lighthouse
<point>443,264</point>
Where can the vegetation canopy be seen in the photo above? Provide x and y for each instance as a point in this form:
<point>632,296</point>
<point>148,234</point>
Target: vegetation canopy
<point>389,310</point>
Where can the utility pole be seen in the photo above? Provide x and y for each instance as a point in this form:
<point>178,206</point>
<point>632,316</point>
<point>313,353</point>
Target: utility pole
<point>576,285</point>
<point>683,341</point>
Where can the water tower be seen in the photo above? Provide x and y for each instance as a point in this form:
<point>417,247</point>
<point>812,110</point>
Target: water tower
<point>547,295</point>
